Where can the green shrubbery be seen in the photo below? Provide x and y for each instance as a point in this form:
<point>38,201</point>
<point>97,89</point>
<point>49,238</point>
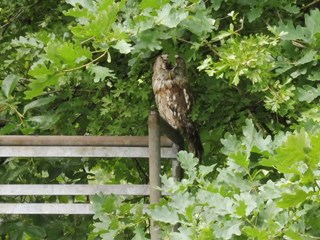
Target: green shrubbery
<point>268,189</point>
<point>79,67</point>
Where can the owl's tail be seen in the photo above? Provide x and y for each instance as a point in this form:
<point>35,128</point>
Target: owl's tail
<point>192,135</point>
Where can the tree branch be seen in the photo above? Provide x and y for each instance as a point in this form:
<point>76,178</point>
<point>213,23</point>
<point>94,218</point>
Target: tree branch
<point>309,4</point>
<point>87,64</point>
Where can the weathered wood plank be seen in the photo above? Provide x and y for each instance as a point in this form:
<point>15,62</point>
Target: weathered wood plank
<point>75,189</point>
<point>133,141</point>
<point>154,168</point>
<point>46,208</point>
<point>81,151</point>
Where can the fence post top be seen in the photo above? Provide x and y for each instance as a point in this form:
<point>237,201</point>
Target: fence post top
<point>153,119</point>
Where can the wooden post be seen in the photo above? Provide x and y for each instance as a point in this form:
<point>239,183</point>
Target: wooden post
<point>154,166</point>
<point>176,168</point>
<point>177,175</point>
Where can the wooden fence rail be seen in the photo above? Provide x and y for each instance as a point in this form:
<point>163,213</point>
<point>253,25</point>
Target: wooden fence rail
<point>81,146</point>
<point>152,147</point>
<point>72,190</point>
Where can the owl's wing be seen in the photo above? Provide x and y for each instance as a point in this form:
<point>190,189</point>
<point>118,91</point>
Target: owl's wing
<point>174,104</point>
<point>178,105</point>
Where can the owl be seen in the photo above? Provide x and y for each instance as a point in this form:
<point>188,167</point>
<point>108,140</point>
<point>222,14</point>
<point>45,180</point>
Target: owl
<point>174,100</point>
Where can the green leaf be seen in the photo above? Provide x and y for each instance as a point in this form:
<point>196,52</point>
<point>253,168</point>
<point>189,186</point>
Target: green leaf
<point>148,40</point>
<point>205,170</point>
<point>101,73</point>
<point>241,209</point>
<point>314,154</point>
<point>38,103</point>
<point>314,76</point>
<point>291,155</point>
<point>35,232</point>
<point>84,3</point>
<point>8,129</point>
<point>109,204</point>
<point>96,21</point>
<point>291,8</point>
<point>123,47</point>
<point>313,21</point>
<point>45,121</point>
<point>184,233</point>
<point>240,158</point>
<point>293,235</point>
<point>9,84</point>
<point>139,234</point>
<point>308,57</point>
<point>68,53</point>
<point>111,234</point>
<point>308,93</point>
<point>180,202</point>
<point>153,4</point>
<point>250,201</point>
<point>254,13</point>
<point>188,162</point>
<point>254,138</point>
<point>163,214</point>
<point>44,77</point>
<point>289,32</point>
<point>256,233</point>
<point>307,34</point>
<point>293,200</point>
<point>171,17</point>
<point>216,4</point>
<point>230,144</point>
<point>199,23</point>
<point>270,190</point>
<point>227,229</point>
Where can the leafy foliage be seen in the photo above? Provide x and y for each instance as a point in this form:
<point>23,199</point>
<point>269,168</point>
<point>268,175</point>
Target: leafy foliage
<point>268,189</point>
<point>84,67</point>
<point>249,57</point>
<point>118,219</point>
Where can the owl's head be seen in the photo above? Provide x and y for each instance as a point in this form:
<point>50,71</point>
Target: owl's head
<point>177,65</point>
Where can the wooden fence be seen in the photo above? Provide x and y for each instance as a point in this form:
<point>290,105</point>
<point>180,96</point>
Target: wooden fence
<point>152,147</point>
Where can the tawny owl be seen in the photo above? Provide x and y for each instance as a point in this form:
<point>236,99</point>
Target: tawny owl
<point>173,99</point>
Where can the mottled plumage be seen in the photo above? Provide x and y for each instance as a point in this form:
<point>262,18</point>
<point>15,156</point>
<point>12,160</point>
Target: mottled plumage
<point>173,99</point>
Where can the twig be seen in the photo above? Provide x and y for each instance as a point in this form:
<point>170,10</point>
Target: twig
<point>6,25</point>
<point>186,41</point>
<point>257,123</point>
<point>317,184</point>
<point>235,32</point>
<point>208,44</point>
<point>279,16</point>
<point>17,15</point>
<point>12,18</point>
<point>241,27</point>
<point>87,64</point>
<point>211,48</point>
<point>20,116</point>
<point>87,40</point>
<point>309,4</point>
<point>141,170</point>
